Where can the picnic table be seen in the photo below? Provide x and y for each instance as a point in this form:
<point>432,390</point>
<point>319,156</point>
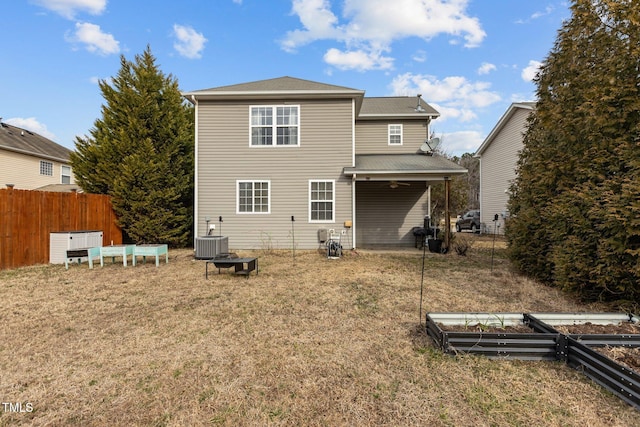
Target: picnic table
<point>241,265</point>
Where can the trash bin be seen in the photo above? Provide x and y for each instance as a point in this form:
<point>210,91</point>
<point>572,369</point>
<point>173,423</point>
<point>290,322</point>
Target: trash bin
<point>435,245</point>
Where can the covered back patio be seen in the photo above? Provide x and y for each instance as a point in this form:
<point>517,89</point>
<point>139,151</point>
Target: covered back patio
<point>392,194</point>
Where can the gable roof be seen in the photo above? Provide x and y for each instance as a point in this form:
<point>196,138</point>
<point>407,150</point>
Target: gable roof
<point>284,84</point>
<point>375,108</point>
<point>276,89</point>
<point>502,122</point>
<point>18,140</point>
<point>395,107</point>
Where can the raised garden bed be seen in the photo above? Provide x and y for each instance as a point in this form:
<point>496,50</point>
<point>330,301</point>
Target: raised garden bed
<point>585,341</point>
<point>592,329</point>
<point>495,335</point>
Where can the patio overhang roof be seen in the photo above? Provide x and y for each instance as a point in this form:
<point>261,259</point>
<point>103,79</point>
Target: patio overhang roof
<point>405,167</point>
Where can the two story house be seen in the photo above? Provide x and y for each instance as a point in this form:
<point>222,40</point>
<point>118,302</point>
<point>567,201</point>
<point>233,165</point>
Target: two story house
<point>280,162</point>
<point>499,154</point>
<point>29,161</point>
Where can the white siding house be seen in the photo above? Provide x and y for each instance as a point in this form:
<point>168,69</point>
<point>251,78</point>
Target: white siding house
<point>29,161</point>
<point>498,158</point>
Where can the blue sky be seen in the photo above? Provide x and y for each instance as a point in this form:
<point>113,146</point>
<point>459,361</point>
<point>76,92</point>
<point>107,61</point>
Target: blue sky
<point>470,59</point>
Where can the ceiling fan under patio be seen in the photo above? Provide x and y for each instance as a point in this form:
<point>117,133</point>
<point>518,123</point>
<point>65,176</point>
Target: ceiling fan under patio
<point>396,184</point>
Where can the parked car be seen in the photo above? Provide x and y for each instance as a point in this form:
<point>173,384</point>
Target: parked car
<point>469,221</point>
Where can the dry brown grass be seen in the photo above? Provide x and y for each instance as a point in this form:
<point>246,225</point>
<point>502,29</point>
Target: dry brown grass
<point>317,342</point>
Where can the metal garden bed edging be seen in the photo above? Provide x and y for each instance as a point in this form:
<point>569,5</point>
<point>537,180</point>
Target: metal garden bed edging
<point>524,346</point>
<point>618,379</point>
<point>545,322</point>
<point>545,343</point>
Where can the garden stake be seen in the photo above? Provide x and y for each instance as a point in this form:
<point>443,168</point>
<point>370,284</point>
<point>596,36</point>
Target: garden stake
<point>293,240</point>
<point>495,221</point>
<point>422,278</point>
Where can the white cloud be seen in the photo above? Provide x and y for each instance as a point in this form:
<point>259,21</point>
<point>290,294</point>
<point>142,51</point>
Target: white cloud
<point>547,11</point>
<point>420,56</point>
<point>454,97</point>
<point>357,60</point>
<point>486,68</point>
<point>539,14</point>
<point>373,25</point>
<point>458,143</point>
<point>69,8</point>
<point>190,43</point>
<point>31,124</point>
<point>94,39</point>
<point>529,72</point>
<point>317,19</point>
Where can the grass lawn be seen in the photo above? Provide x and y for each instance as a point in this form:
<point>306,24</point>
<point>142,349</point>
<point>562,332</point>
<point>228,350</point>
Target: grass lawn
<point>309,341</point>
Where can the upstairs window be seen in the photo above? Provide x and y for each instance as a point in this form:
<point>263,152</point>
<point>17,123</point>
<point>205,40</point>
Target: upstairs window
<point>321,201</point>
<point>253,197</point>
<point>275,125</point>
<point>65,175</point>
<point>46,168</point>
<point>395,134</point>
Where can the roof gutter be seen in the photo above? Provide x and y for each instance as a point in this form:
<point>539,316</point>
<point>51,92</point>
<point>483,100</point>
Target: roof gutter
<point>31,153</point>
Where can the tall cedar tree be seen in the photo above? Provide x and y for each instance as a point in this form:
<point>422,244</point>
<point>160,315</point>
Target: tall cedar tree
<point>575,204</point>
<point>141,153</point>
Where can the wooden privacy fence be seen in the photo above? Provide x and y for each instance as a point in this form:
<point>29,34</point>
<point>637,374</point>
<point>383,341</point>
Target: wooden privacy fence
<point>28,216</point>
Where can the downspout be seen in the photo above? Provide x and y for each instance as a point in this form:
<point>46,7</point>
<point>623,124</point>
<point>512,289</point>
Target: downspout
<point>353,177</point>
<point>195,172</point>
<point>353,209</point>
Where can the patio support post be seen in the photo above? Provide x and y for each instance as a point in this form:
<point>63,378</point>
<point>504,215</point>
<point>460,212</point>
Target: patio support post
<point>447,219</point>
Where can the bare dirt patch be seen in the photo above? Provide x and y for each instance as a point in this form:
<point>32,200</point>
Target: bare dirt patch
<point>626,356</point>
<point>592,328</point>
<point>307,341</point>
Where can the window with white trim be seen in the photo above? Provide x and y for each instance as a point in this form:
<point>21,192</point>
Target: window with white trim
<point>321,201</point>
<point>65,174</point>
<point>395,134</point>
<point>46,168</point>
<point>274,125</point>
<point>253,197</point>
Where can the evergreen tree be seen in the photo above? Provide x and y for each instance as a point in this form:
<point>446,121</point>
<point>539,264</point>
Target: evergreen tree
<point>141,152</point>
<point>575,204</point>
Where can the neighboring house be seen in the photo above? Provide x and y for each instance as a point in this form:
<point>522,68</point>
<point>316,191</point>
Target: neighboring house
<point>30,161</point>
<point>282,160</point>
<point>498,158</point>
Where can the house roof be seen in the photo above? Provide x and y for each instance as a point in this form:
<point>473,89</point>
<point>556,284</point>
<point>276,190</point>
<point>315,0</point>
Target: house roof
<point>61,188</point>
<point>280,84</point>
<point>399,107</point>
<point>502,122</point>
<point>289,87</point>
<point>395,106</point>
<point>419,167</point>
<point>13,138</point>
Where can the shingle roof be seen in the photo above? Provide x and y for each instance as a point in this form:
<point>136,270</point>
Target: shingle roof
<point>404,163</point>
<point>23,141</point>
<point>395,106</point>
<point>367,108</point>
<point>280,84</point>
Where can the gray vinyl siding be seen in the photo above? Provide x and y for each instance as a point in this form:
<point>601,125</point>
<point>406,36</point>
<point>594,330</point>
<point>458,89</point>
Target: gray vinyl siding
<point>225,156</point>
<point>385,216</point>
<point>497,170</point>
<point>372,136</point>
